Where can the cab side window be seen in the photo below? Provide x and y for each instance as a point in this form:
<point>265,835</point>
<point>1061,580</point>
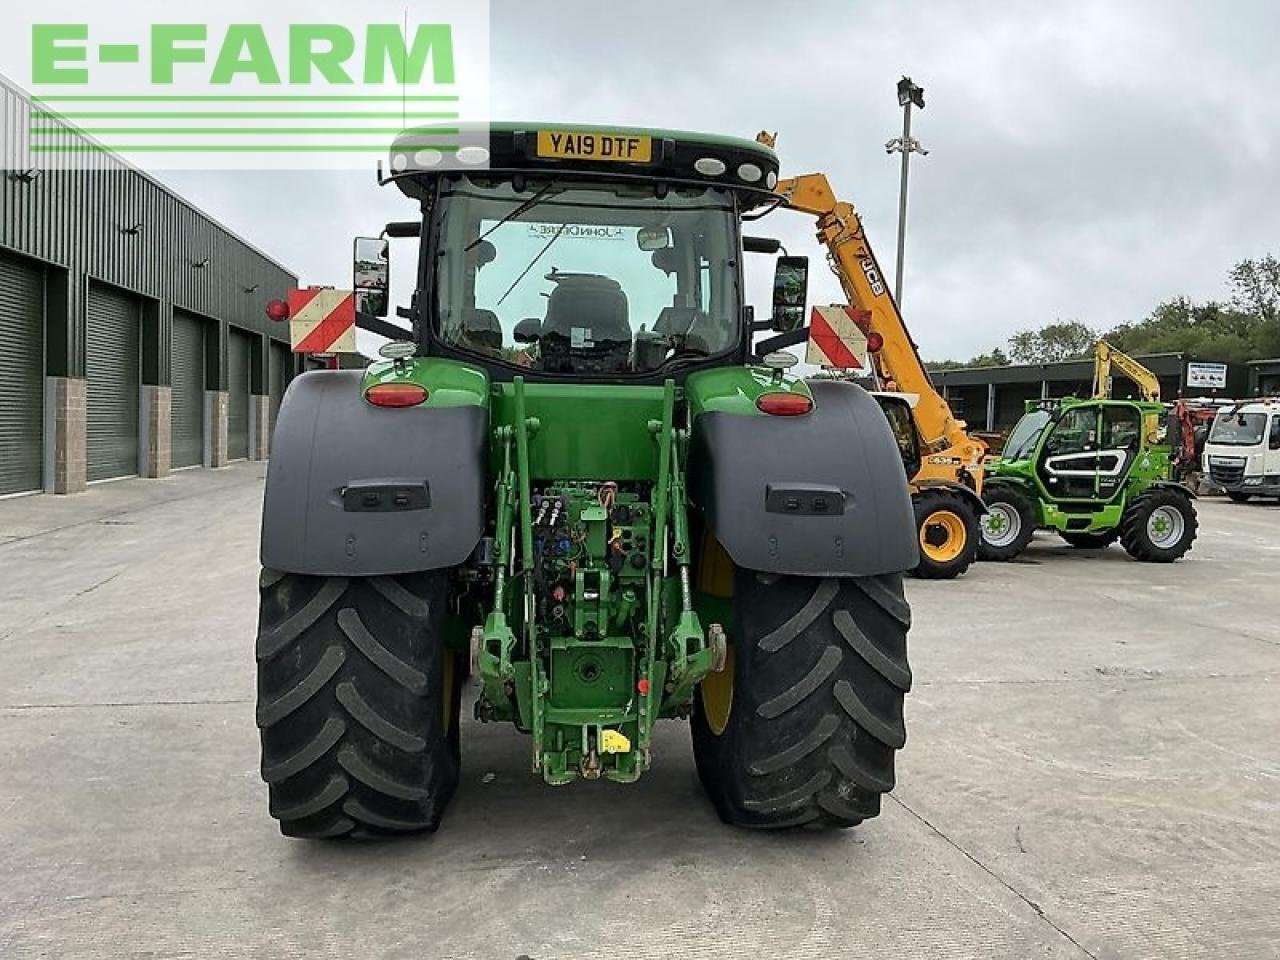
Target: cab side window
<point>1076,432</point>
<point>1274,442</point>
<point>1121,428</point>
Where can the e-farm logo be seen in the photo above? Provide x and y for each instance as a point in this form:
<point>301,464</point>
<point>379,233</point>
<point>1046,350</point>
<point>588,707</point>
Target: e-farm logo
<point>60,53</point>
<point>241,94</point>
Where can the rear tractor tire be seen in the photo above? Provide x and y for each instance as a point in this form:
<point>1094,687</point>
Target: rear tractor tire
<point>1090,541</point>
<point>1007,526</point>
<point>357,707</point>
<point>1159,525</point>
<point>802,725</point>
<point>947,527</point>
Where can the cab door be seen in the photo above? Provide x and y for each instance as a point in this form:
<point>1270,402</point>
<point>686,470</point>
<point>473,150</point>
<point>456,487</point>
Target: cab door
<point>1068,462</point>
<point>1120,444</point>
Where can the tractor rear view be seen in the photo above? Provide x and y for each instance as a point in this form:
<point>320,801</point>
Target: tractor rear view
<point>576,480</point>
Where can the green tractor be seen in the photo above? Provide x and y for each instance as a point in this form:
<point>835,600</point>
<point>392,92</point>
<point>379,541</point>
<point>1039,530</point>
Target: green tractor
<point>1095,471</point>
<point>578,482</point>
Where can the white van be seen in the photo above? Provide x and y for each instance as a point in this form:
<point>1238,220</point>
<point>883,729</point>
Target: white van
<point>1242,452</point>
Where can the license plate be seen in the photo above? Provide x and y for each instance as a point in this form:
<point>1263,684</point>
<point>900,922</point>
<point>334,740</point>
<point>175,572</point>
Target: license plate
<point>610,147</point>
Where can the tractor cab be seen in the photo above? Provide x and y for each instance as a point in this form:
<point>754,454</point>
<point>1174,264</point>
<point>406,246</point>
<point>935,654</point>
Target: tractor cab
<point>585,253</point>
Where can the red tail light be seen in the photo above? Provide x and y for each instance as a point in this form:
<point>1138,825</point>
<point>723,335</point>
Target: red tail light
<point>874,342</point>
<point>396,394</point>
<point>784,404</point>
<point>278,310</point>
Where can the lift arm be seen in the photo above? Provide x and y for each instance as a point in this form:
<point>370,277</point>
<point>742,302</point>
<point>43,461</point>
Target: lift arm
<point>898,362</point>
<point>1105,357</point>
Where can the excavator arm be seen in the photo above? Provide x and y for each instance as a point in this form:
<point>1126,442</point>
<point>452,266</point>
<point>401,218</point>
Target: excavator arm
<point>1105,356</point>
<point>945,442</point>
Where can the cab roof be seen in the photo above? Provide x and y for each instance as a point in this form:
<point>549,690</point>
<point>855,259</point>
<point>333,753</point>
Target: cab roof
<point>589,151</point>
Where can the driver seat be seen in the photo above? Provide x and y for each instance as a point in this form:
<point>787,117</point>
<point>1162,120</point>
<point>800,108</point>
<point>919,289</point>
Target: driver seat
<point>593,305</point>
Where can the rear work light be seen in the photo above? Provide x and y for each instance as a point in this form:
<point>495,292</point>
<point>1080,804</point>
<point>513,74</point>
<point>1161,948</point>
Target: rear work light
<point>278,310</point>
<point>875,342</point>
<point>396,394</point>
<point>784,404</point>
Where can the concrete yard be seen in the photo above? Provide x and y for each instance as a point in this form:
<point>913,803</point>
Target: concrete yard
<point>1093,770</point>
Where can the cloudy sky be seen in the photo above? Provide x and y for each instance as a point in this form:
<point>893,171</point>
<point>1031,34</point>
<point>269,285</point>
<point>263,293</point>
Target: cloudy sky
<point>1088,159</point>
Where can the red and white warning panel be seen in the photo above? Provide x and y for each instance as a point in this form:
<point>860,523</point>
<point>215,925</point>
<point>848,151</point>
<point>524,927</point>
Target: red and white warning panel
<point>322,320</point>
<point>838,338</point>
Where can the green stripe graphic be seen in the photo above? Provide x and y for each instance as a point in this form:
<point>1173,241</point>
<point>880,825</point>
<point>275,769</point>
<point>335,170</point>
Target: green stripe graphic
<point>234,131</point>
<point>225,148</point>
<point>242,98</point>
<point>236,115</point>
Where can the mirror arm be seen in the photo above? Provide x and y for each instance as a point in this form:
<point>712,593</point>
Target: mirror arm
<point>402,229</point>
<point>770,344</point>
<point>383,328</point>
<point>762,245</point>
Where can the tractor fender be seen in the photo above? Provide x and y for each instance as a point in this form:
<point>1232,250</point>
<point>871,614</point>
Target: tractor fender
<point>820,495</point>
<point>358,490</point>
<point>1172,485</point>
<point>959,489</point>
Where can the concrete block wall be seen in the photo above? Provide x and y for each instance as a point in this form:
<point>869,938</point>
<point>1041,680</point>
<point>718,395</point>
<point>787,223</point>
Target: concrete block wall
<point>259,427</point>
<point>66,432</point>
<point>157,431</point>
<point>215,428</point>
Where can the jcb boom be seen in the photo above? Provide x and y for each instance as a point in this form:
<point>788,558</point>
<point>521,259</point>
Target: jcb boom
<point>946,489</point>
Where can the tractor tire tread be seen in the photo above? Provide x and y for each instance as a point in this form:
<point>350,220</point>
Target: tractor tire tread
<point>350,710</point>
<point>820,675</point>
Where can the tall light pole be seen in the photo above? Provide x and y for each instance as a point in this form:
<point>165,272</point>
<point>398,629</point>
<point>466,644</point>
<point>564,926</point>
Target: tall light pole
<point>909,95</point>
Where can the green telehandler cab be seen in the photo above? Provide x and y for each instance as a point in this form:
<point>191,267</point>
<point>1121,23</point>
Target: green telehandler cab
<point>1095,471</point>
<point>578,481</point>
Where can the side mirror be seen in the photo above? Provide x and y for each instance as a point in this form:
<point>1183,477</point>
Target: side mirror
<point>371,275</point>
<point>528,330</point>
<point>790,293</point>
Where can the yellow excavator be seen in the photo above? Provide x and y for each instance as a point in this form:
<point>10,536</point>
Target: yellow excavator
<point>1105,356</point>
<point>947,487</point>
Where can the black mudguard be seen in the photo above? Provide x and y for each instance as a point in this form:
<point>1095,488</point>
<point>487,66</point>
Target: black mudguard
<point>358,490</point>
<point>817,495</point>
<point>1174,485</point>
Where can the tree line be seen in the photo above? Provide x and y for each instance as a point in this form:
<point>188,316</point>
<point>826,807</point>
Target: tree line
<point>1246,326</point>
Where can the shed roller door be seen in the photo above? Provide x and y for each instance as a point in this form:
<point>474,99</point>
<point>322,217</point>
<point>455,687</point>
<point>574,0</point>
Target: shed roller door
<point>279,370</point>
<point>239,348</point>
<point>21,375</point>
<point>112,345</point>
<point>188,390</point>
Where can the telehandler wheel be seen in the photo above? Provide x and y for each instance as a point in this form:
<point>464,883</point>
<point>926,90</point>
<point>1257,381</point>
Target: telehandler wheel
<point>1090,541</point>
<point>1159,526</point>
<point>354,703</point>
<point>1008,524</point>
<point>802,725</point>
<point>1238,497</point>
<point>948,530</point>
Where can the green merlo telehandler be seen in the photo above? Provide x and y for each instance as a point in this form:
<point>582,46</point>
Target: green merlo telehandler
<point>1095,471</point>
<point>578,481</point>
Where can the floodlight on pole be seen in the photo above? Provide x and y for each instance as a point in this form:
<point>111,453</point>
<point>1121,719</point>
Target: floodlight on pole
<point>909,94</point>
